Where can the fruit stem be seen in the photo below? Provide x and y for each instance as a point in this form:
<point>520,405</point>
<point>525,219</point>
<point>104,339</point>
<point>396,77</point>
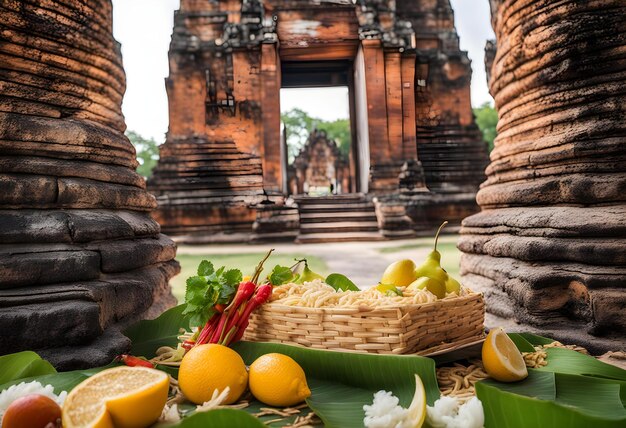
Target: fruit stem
<point>259,268</point>
<point>438,231</point>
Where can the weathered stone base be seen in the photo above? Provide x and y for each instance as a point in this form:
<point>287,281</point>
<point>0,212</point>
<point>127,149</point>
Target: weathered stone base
<point>549,266</point>
<point>407,214</point>
<point>70,279</point>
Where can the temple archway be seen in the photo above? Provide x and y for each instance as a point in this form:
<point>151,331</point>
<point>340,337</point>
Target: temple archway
<point>223,164</point>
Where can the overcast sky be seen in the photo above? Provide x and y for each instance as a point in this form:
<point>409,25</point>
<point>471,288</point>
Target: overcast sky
<point>144,27</point>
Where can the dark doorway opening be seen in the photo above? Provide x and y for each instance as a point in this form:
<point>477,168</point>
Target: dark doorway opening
<point>319,95</point>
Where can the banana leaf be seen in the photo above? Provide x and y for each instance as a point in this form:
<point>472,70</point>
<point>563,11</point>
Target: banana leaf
<point>341,383</point>
<point>546,399</point>
<point>221,418</point>
<point>148,335</point>
<point>22,365</point>
<point>520,341</point>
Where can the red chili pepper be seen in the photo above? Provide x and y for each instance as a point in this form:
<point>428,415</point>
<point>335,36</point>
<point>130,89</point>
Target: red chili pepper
<point>261,296</point>
<point>220,308</point>
<point>132,361</point>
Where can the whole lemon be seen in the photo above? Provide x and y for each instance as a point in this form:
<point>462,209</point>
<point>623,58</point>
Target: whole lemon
<point>277,380</point>
<point>206,368</point>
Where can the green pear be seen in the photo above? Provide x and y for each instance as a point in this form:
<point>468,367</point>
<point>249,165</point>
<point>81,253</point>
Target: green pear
<point>452,285</point>
<point>400,273</point>
<point>431,267</point>
<point>436,287</point>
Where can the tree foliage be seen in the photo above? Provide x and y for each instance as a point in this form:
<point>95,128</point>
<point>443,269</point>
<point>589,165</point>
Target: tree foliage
<point>298,126</point>
<point>487,119</point>
<point>147,152</point>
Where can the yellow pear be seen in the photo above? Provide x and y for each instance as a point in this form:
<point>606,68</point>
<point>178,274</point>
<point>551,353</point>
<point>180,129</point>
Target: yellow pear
<point>400,273</point>
<point>452,285</point>
<point>431,267</point>
<point>434,286</point>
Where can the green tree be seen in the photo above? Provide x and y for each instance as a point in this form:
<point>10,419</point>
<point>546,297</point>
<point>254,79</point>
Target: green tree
<point>298,126</point>
<point>487,119</point>
<point>147,153</point>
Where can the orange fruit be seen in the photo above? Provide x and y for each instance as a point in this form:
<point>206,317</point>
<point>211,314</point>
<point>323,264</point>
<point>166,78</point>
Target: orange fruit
<point>208,367</point>
<point>32,411</point>
<point>121,397</point>
<point>278,380</point>
<point>501,358</point>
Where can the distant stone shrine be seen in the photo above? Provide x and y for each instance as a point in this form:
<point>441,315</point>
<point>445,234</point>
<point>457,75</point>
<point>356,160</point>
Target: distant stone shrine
<point>80,256</point>
<point>320,168</point>
<point>549,247</point>
<point>416,152</point>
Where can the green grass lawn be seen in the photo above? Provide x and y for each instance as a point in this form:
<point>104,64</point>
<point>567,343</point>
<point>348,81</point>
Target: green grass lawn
<point>245,262</point>
<point>450,255</point>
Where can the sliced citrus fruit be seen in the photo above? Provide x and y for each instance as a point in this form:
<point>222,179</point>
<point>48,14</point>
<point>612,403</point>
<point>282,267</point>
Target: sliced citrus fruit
<point>417,409</point>
<point>121,397</point>
<point>501,358</point>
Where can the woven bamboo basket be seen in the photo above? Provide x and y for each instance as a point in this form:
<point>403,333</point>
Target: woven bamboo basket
<point>408,329</point>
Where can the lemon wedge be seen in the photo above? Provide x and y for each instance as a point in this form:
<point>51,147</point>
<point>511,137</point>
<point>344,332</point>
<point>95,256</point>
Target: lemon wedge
<point>501,358</point>
<point>417,409</point>
<point>121,397</point>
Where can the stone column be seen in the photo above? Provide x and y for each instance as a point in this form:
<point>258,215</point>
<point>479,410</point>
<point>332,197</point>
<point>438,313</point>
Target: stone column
<point>548,248</point>
<point>80,256</point>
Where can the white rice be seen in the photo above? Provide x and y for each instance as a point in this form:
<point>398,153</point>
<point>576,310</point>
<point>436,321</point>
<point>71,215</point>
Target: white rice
<point>14,392</point>
<point>447,412</point>
<point>385,412</point>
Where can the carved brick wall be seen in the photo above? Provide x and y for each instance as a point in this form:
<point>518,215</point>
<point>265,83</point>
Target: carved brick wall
<point>80,256</point>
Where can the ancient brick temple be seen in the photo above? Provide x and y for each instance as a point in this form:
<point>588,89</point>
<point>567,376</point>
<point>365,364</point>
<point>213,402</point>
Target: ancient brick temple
<point>80,256</point>
<point>548,247</point>
<point>319,168</point>
<point>416,153</point>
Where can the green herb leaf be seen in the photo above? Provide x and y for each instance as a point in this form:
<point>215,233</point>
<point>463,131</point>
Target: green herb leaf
<point>205,268</point>
<point>231,277</point>
<point>280,275</point>
<point>341,282</point>
<point>207,289</point>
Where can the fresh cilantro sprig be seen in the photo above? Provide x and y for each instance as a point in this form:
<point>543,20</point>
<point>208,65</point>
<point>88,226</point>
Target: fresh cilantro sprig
<point>209,288</point>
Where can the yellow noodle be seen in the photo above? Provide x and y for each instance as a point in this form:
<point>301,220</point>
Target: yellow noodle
<point>316,294</point>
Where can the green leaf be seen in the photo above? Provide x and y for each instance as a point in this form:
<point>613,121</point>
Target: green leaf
<point>231,278</point>
<point>280,275</point>
<point>205,268</point>
<point>22,365</point>
<point>341,383</point>
<point>535,340</point>
<point>522,344</point>
<point>547,399</point>
<point>226,294</point>
<point>148,335</point>
<point>196,286</point>
<point>341,282</point>
<point>562,360</point>
<point>221,418</point>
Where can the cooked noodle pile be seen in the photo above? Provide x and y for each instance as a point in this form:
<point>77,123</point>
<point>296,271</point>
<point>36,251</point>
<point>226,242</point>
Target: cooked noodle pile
<point>316,294</point>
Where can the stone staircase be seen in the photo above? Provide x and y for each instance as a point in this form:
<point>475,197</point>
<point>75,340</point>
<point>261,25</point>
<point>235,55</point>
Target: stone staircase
<point>336,218</point>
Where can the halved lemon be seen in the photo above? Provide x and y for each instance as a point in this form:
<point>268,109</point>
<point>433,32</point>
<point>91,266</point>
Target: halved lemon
<point>120,397</point>
<point>417,409</point>
<point>501,358</point>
